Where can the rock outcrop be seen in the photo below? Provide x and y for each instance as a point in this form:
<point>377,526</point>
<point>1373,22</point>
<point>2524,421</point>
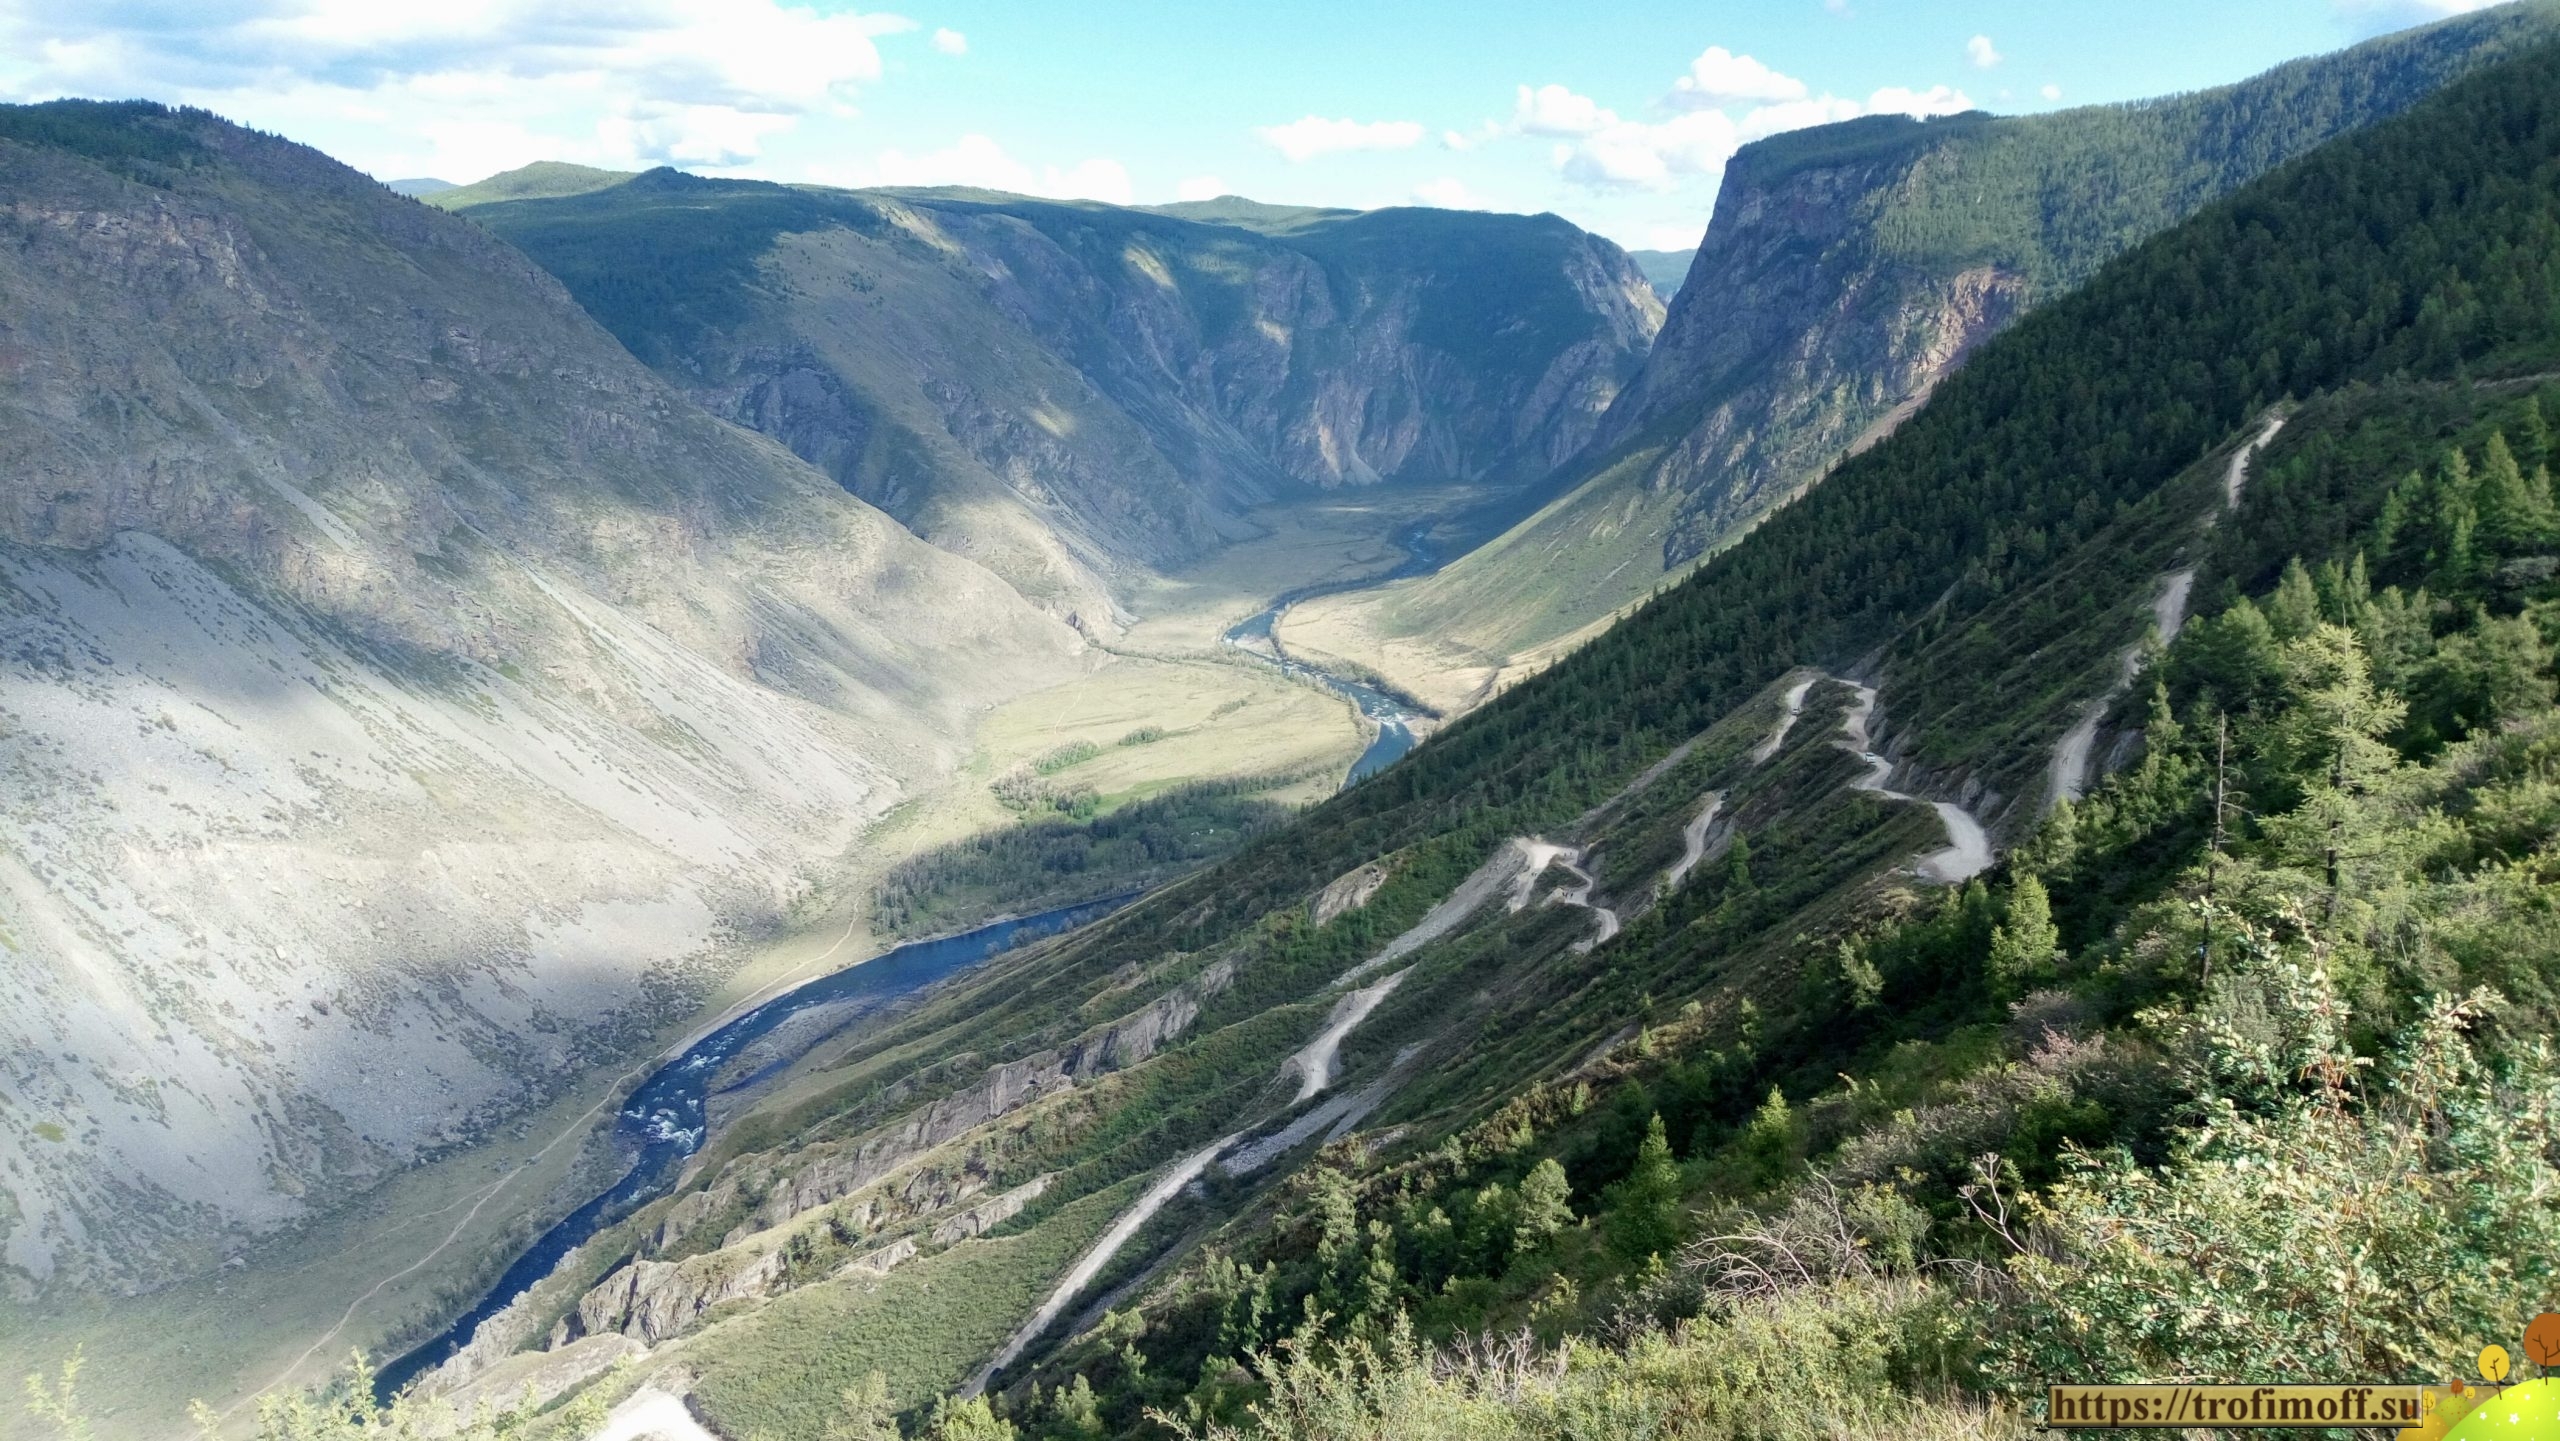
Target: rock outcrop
<point>653,1300</point>
<point>1348,892</point>
<point>837,1172</point>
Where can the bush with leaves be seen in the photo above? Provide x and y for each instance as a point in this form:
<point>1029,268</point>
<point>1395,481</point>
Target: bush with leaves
<point>2325,1216</point>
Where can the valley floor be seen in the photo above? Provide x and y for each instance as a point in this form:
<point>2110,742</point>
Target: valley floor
<point>381,1269</point>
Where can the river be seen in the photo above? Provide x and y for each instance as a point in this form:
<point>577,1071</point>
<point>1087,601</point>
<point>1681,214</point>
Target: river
<point>1394,716</point>
<point>662,1124</point>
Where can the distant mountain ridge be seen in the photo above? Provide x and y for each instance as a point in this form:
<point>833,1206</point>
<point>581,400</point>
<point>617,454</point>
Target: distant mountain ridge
<point>1847,270</point>
<point>1066,390</point>
<point>1664,269</point>
<point>543,179</point>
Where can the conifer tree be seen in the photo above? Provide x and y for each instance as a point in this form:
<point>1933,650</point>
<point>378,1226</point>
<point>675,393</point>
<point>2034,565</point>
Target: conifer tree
<point>1545,1207</point>
<point>970,1420</point>
<point>2295,607</point>
<point>2512,517</point>
<point>1074,1415</point>
<point>864,1413</point>
<point>2025,945</point>
<point>1644,1219</point>
<point>2331,740</point>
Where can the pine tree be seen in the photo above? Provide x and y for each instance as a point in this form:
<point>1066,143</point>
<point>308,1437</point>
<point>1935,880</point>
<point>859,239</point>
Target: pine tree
<point>1546,1207</point>
<point>2454,519</point>
<point>1337,1216</point>
<point>970,1420</point>
<point>2025,945</point>
<point>1380,1283</point>
<point>2331,739</point>
<point>2056,842</point>
<point>1644,1215</point>
<point>2533,437</point>
<point>863,1412</point>
<point>1075,1415</point>
<point>2496,669</point>
<point>2510,517</point>
<point>1489,1228</point>
<point>2295,607</point>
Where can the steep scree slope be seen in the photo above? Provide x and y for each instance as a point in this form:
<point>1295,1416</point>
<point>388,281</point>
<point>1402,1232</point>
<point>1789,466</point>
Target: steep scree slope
<point>404,695</point>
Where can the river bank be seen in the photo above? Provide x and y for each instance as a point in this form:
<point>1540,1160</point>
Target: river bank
<point>664,1121</point>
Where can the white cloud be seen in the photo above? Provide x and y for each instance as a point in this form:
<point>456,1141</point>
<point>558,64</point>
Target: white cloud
<point>1448,193</point>
<point>713,136</point>
<point>2372,17</point>
<point>1305,139</point>
<point>1098,179</point>
<point>950,42</point>
<point>701,81</point>
<point>1936,100</point>
<point>1668,237</point>
<point>1200,187</point>
<point>1635,155</point>
<point>1554,110</point>
<point>1719,77</point>
<point>1763,121</point>
<point>1979,51</point>
<point>2051,92</point>
<point>978,160</point>
<point>971,160</point>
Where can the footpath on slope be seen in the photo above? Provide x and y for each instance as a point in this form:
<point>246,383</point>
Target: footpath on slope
<point>1513,871</point>
<point>1311,1065</point>
<point>1578,894</point>
<point>1693,836</point>
<point>1693,843</point>
<point>652,1415</point>
<point>1968,850</point>
<point>2067,775</point>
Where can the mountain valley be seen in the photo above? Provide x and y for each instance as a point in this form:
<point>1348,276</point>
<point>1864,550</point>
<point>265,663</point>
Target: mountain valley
<point>681,806</point>
<point>1848,270</point>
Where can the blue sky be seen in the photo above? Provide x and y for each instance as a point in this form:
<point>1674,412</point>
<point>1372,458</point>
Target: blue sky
<point>1618,116</point>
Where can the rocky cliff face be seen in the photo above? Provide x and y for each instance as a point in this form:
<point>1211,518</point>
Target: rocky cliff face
<point>1847,269</point>
<point>1067,390</point>
<point>404,695</point>
<point>1795,339</point>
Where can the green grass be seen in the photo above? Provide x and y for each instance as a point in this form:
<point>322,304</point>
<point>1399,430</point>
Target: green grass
<point>778,1372</point>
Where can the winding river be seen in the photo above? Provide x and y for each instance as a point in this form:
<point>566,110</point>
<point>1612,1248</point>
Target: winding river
<point>1395,716</point>
<point>662,1123</point>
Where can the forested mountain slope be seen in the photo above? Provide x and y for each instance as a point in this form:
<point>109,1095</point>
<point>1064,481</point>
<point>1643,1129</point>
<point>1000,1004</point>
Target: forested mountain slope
<point>1671,1003</point>
<point>406,698</point>
<point>1848,269</point>
<point>1065,391</point>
